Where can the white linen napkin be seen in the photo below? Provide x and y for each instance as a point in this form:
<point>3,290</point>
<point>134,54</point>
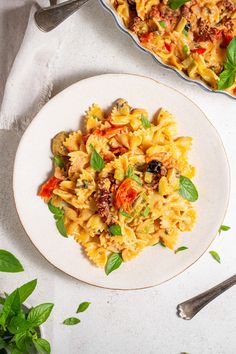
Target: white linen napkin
<point>29,84</point>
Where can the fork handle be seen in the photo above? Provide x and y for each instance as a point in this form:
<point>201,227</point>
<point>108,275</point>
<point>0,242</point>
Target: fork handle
<point>188,309</point>
<point>48,18</point>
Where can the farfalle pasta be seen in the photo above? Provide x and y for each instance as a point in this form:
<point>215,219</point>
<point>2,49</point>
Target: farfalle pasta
<point>116,187</point>
<point>191,35</point>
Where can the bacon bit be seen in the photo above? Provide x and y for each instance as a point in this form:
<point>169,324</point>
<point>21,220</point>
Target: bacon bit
<point>108,132</point>
<point>146,37</point>
<point>85,137</point>
<point>120,150</point>
<point>125,195</point>
<point>198,50</point>
<point>47,187</point>
<point>168,47</point>
<point>226,39</point>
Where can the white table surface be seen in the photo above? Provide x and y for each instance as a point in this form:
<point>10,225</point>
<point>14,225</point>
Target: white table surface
<point>130,322</point>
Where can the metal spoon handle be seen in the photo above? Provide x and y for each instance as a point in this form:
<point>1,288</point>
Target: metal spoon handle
<point>48,18</point>
<point>188,309</point>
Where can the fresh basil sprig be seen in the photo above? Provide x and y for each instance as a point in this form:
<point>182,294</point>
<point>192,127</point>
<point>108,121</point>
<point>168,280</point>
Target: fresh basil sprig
<point>9,263</point>
<point>215,255</point>
<point>59,215</point>
<point>96,161</point>
<point>145,122</point>
<point>175,4</point>
<point>114,261</point>
<point>71,321</point>
<point>187,189</point>
<point>228,76</point>
<point>130,174</point>
<point>223,228</point>
<point>83,306</point>
<point>182,248</point>
<point>19,328</point>
<point>59,161</point>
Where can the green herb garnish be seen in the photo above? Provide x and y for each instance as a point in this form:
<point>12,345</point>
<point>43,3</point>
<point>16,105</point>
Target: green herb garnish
<point>185,32</point>
<point>162,244</point>
<point>83,306</point>
<point>18,327</point>
<point>223,228</point>
<point>59,161</point>
<point>162,24</point>
<point>228,76</point>
<point>187,189</point>
<point>175,4</point>
<point>127,215</point>
<point>185,49</point>
<point>96,161</point>
<point>59,215</point>
<point>182,248</point>
<point>145,122</point>
<point>9,263</point>
<point>146,212</point>
<point>115,230</point>
<point>71,321</point>
<point>215,256</point>
<point>114,261</point>
<point>131,174</point>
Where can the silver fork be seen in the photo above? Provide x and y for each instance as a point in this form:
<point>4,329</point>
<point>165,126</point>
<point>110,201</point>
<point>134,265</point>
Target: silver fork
<point>188,309</point>
<point>48,18</point>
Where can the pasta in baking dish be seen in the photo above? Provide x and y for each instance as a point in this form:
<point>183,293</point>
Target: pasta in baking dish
<point>192,36</point>
<point>117,187</point>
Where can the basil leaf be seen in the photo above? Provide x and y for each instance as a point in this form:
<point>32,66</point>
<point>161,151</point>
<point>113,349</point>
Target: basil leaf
<point>187,189</point>
<point>59,161</point>
<point>83,307</point>
<point>3,344</point>
<point>42,346</point>
<point>9,263</point>
<point>130,174</point>
<point>96,161</point>
<point>71,321</point>
<point>18,324</point>
<point>114,261</point>
<point>162,24</point>
<point>137,179</point>
<point>22,340</point>
<point>61,227</point>
<point>223,228</point>
<point>182,248</point>
<point>175,4</point>
<point>39,314</point>
<point>227,79</point>
<point>146,212</point>
<point>145,122</point>
<point>115,230</point>
<point>26,290</point>
<point>231,52</point>
<point>16,351</point>
<point>122,212</point>
<point>215,256</point>
<point>10,307</point>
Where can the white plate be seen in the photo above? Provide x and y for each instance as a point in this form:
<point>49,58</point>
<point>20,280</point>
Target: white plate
<point>33,165</point>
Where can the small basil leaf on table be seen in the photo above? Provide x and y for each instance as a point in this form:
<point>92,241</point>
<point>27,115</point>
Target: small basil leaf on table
<point>71,321</point>
<point>187,189</point>
<point>83,307</point>
<point>223,228</point>
<point>26,290</point>
<point>42,346</point>
<point>96,161</point>
<point>9,263</point>
<point>39,314</point>
<point>215,255</point>
<point>182,248</point>
<point>114,261</point>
